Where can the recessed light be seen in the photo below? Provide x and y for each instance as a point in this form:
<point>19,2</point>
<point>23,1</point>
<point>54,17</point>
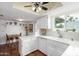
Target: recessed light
<point>19,19</point>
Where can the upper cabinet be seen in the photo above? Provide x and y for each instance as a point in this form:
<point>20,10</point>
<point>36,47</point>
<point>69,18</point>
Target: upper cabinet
<point>43,22</point>
<point>42,25</point>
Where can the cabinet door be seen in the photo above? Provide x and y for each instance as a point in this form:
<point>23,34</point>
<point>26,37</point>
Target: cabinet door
<point>43,45</point>
<point>55,48</point>
<point>42,22</point>
<point>53,51</point>
<point>26,47</point>
<point>34,44</point>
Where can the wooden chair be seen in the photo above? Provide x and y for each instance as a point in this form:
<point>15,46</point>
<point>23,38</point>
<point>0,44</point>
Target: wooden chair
<point>7,40</point>
<point>10,42</point>
<point>11,39</point>
<point>5,48</point>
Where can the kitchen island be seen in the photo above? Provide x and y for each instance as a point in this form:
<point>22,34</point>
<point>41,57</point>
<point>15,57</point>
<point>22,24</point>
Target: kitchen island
<point>27,44</point>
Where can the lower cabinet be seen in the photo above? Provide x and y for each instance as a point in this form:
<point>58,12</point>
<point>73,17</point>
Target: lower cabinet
<point>52,52</point>
<point>47,46</point>
<point>55,48</point>
<point>51,47</point>
<point>34,45</point>
<point>43,45</point>
<point>27,46</point>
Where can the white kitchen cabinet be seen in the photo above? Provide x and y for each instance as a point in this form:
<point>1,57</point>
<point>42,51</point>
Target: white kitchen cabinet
<point>55,48</point>
<point>27,45</point>
<point>24,47</point>
<point>34,44</point>
<point>42,22</point>
<point>47,46</point>
<point>51,47</point>
<point>43,45</point>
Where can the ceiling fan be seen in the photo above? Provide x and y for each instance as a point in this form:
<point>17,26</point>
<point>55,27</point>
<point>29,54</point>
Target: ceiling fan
<point>38,6</point>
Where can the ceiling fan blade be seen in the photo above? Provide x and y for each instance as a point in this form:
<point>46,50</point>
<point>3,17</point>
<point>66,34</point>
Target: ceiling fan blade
<point>28,6</point>
<point>44,8</point>
<point>44,3</point>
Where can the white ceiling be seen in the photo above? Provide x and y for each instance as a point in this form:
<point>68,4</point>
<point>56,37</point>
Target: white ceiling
<point>10,13</point>
<point>66,9</point>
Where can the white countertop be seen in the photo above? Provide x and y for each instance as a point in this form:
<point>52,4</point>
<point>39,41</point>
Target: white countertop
<point>27,37</point>
<point>56,39</point>
<point>64,40</point>
<point>71,51</point>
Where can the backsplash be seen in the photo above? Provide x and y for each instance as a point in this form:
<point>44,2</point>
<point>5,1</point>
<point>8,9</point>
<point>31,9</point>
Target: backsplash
<point>68,35</point>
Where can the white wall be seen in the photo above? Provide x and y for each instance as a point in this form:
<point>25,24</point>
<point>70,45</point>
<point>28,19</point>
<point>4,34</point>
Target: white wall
<point>12,29</point>
<point>2,32</point>
<point>68,35</point>
<point>68,8</point>
<point>15,29</point>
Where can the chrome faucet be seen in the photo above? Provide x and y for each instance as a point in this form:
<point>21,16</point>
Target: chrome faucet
<point>59,34</point>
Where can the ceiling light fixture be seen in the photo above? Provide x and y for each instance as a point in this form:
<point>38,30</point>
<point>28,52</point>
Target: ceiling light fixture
<point>37,10</point>
<point>38,6</point>
<point>19,19</point>
<point>33,8</point>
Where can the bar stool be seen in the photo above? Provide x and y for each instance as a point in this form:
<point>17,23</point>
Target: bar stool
<point>17,41</point>
<point>7,40</point>
<point>11,39</point>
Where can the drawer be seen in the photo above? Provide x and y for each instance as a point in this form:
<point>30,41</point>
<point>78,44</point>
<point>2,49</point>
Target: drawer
<point>56,43</point>
<point>59,49</point>
<point>53,52</point>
